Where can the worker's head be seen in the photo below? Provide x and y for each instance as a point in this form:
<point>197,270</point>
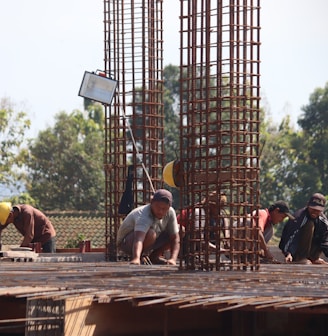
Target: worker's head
<point>161,203</point>
<point>316,205</point>
<point>215,198</point>
<point>5,209</point>
<point>215,201</point>
<point>279,211</point>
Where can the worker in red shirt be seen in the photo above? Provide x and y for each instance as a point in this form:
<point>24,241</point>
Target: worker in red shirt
<point>275,214</point>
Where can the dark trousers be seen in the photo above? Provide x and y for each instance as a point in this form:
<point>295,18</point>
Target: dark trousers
<point>305,249</point>
<point>127,243</point>
<point>49,246</point>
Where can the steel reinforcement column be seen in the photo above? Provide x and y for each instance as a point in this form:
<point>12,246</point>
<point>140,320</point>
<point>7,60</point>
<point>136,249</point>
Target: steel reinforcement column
<point>220,128</point>
<point>134,122</point>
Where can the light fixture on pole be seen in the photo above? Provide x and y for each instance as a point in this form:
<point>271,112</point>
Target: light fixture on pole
<point>98,87</point>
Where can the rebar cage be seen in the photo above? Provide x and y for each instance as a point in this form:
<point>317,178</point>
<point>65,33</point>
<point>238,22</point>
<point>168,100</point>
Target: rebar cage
<point>219,121</point>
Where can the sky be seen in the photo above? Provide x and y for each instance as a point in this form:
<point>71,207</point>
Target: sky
<point>47,45</point>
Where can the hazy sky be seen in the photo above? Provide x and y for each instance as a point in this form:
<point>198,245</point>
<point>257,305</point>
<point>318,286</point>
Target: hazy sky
<point>47,45</point>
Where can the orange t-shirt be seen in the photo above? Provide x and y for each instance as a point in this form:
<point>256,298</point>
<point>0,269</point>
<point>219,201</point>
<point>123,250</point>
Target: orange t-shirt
<point>265,224</point>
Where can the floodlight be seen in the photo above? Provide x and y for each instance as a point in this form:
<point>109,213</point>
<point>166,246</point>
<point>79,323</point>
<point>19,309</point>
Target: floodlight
<point>97,87</point>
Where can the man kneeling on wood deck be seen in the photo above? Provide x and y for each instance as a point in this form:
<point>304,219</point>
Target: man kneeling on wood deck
<point>151,229</point>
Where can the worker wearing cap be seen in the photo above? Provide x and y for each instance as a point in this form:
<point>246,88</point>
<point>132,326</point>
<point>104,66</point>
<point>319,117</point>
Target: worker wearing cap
<point>152,229</point>
<point>31,223</point>
<point>275,214</point>
<point>214,205</point>
<point>306,237</point>
<point>211,208</point>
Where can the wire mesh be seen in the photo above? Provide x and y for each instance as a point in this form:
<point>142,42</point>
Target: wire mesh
<point>219,108</point>
<point>134,123</point>
<point>219,122</point>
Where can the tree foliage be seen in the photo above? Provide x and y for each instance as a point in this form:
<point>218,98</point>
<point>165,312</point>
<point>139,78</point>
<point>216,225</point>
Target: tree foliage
<point>294,162</point>
<point>13,127</point>
<point>171,112</point>
<point>314,122</point>
<point>274,161</point>
<point>171,120</point>
<point>66,162</point>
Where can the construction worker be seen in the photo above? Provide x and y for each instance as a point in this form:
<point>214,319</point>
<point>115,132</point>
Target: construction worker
<point>274,214</point>
<point>213,207</point>
<point>306,237</point>
<point>151,229</point>
<point>31,223</point>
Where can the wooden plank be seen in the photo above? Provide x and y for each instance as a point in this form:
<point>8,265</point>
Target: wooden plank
<point>76,311</point>
<point>19,254</point>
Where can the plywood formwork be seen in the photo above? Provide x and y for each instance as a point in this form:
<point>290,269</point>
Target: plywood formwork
<point>219,118</point>
<point>115,298</point>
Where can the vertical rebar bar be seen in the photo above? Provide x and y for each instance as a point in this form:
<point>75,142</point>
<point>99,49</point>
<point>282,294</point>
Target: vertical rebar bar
<point>134,125</point>
<point>220,128</point>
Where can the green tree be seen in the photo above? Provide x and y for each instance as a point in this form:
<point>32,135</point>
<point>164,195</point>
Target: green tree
<point>171,112</point>
<point>314,122</point>
<point>286,170</point>
<point>66,162</point>
<point>171,77</point>
<point>23,198</point>
<point>294,163</point>
<point>172,87</point>
<point>13,127</point>
<point>276,161</point>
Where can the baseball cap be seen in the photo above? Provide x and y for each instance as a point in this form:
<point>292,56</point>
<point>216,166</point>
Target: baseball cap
<point>283,208</point>
<point>317,202</point>
<point>163,195</point>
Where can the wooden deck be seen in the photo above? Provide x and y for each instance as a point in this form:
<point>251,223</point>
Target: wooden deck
<point>74,298</point>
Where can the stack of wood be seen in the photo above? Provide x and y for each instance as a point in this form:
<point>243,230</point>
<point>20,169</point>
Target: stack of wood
<point>19,254</point>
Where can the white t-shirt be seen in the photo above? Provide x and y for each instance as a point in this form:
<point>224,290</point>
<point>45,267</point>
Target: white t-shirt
<point>142,219</point>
